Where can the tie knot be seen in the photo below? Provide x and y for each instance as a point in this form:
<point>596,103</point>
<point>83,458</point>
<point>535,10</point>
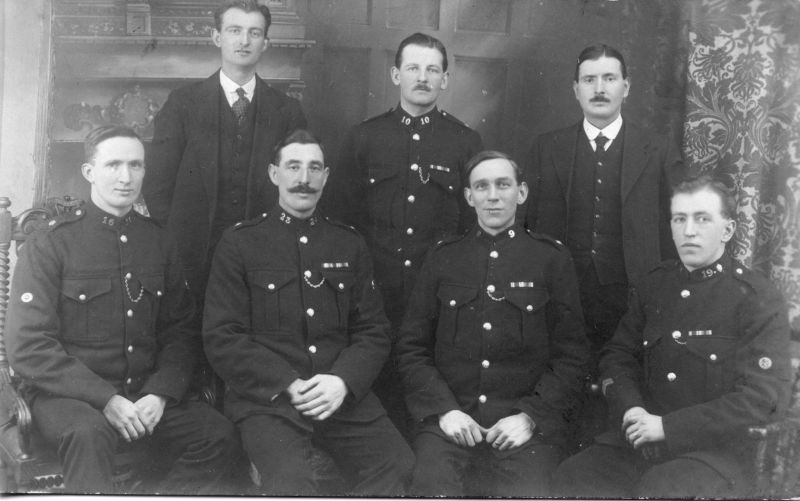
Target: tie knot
<point>242,93</point>
<point>600,141</point>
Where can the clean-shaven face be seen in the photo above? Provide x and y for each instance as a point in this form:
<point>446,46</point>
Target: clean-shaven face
<point>699,229</point>
<point>242,38</point>
<point>494,193</point>
<point>116,172</point>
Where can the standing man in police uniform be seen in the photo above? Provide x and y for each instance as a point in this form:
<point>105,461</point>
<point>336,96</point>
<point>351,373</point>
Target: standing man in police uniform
<point>295,327</point>
<point>492,349</point>
<point>99,329</point>
<point>702,354</point>
<point>398,182</point>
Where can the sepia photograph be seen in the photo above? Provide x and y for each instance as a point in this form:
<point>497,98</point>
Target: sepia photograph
<point>400,248</point>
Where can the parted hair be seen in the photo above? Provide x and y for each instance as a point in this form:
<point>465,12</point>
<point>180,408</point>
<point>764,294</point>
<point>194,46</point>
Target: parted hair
<point>485,155</point>
<point>706,182</point>
<point>593,52</point>
<point>423,40</point>
<point>301,136</point>
<point>100,134</point>
<point>245,5</point>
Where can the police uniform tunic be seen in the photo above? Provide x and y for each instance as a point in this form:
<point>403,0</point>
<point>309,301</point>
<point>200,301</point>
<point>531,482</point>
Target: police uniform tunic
<point>291,299</point>
<point>400,182</point>
<point>708,351</point>
<point>494,328</point>
<point>99,307</point>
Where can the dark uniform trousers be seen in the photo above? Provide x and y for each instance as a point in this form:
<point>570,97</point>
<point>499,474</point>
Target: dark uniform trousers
<point>494,328</point>
<point>306,306</point>
<point>100,308</point>
<point>707,351</point>
<point>194,444</point>
<point>399,182</point>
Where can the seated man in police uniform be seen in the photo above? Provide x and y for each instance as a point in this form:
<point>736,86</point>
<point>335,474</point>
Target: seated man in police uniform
<point>295,327</point>
<point>492,349</point>
<point>701,354</point>
<point>100,330</point>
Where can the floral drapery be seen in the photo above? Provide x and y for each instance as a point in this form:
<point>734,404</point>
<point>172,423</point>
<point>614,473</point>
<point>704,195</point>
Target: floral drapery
<point>743,126</point>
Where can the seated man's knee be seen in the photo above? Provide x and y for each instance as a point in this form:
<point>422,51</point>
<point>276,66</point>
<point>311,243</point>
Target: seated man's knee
<point>90,434</point>
<point>683,477</point>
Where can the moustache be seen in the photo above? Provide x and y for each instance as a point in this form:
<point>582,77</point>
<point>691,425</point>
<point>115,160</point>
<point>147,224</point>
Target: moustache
<point>302,188</point>
<point>600,99</point>
<point>422,87</point>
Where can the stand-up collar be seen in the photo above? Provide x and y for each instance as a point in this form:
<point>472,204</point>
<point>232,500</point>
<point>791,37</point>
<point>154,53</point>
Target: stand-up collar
<point>415,123</point>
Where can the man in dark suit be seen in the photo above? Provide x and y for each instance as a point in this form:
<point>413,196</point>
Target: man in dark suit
<point>602,187</point>
<point>298,334</point>
<point>207,165</point>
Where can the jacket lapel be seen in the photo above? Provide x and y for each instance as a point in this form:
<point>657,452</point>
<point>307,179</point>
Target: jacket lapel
<point>564,156</point>
<point>634,157</point>
<point>208,106</point>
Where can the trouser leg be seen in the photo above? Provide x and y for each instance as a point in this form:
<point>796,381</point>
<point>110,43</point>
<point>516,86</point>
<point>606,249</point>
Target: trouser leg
<point>281,453</point>
<point>525,471</point>
<point>374,455</point>
<point>599,471</point>
<point>688,478</point>
<point>440,466</point>
<point>84,439</point>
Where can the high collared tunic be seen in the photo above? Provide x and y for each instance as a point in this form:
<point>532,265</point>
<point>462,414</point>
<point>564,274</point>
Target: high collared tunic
<point>290,299</point>
<point>494,327</point>
<point>99,307</point>
<point>399,181</point>
<point>706,350</point>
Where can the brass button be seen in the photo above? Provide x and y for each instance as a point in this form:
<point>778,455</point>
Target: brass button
<point>310,312</point>
<point>485,364</point>
<point>671,377</point>
<point>312,349</point>
<point>493,254</point>
<point>130,313</point>
<point>482,399</point>
<point>452,303</point>
<point>123,239</point>
<point>487,326</point>
<point>304,239</point>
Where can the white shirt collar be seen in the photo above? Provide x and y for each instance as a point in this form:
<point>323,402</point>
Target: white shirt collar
<point>229,87</point>
<point>610,131</point>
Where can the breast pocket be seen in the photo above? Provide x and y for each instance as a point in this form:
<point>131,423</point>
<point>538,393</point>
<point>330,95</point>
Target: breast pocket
<point>86,308</point>
<point>457,314</point>
<point>340,287</point>
<point>713,358</point>
<point>271,294</point>
<point>149,304</point>
<point>527,326</point>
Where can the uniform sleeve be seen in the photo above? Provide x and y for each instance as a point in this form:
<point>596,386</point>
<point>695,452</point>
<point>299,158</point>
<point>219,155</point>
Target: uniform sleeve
<point>621,366</point>
<point>557,393</point>
<point>163,158</point>
<point>33,329</point>
<point>345,197</point>
<point>762,388</point>
<point>426,391</point>
<point>251,369</point>
<point>368,328</point>
<point>177,334</point>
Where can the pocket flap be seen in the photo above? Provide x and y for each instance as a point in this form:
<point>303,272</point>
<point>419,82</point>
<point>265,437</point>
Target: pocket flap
<point>382,172</point>
<point>270,280</point>
<point>154,284</point>
<point>85,289</point>
<point>528,300</point>
<point>341,281</point>
<point>453,295</point>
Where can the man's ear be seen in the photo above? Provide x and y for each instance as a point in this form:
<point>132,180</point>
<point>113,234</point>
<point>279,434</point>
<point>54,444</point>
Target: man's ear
<point>468,196</point>
<point>394,74</point>
<point>523,193</point>
<point>272,169</point>
<point>445,78</point>
<point>730,229</point>
<point>86,171</point>
<point>215,37</point>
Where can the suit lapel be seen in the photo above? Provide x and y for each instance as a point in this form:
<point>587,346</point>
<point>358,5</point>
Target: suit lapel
<point>208,106</point>
<point>564,156</point>
<point>634,157</point>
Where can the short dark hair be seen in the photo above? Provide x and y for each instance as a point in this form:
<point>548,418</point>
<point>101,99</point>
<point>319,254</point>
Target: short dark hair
<point>245,5</point>
<point>100,134</point>
<point>594,52</point>
<point>301,136</point>
<point>423,40</point>
<point>706,182</point>
<point>485,155</point>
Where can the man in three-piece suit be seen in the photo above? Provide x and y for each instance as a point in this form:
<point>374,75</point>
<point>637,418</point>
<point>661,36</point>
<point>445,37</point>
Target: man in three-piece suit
<point>602,187</point>
<point>207,165</point>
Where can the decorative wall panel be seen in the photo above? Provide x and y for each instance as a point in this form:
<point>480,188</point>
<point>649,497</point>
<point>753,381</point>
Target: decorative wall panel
<point>492,16</point>
<point>416,15</point>
<point>341,11</point>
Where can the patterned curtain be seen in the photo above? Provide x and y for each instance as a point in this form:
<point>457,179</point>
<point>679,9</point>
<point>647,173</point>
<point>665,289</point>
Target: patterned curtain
<point>743,126</point>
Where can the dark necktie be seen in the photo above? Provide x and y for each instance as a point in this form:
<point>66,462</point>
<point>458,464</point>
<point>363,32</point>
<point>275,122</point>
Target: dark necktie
<point>600,141</point>
<point>240,106</point>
